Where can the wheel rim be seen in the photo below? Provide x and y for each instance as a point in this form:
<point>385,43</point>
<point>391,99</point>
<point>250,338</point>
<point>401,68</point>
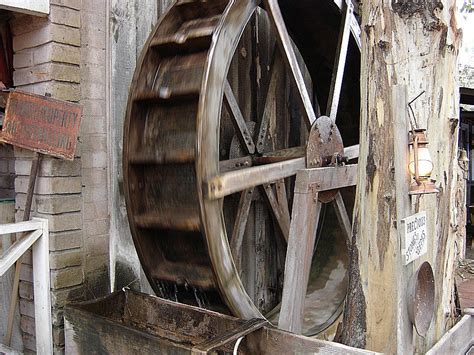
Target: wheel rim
<point>221,273</point>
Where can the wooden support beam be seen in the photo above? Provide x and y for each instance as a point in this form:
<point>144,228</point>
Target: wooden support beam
<point>328,178</point>
<point>231,182</point>
<point>304,223</point>
<point>235,181</point>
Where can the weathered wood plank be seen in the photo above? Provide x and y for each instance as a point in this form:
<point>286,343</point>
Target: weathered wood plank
<point>282,218</point>
<point>304,223</point>
<point>327,178</point>
<point>457,340</point>
<point>235,181</point>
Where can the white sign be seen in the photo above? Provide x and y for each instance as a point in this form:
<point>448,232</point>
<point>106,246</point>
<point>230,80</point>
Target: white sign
<point>414,237</point>
<point>32,7</point>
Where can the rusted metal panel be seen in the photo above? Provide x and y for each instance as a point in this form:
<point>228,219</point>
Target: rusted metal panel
<point>41,124</point>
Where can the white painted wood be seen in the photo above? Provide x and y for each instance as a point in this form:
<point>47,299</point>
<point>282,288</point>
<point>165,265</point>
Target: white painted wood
<point>17,250</point>
<point>7,215</point>
<point>39,240</point>
<point>41,289</point>
<point>32,7</point>
<point>20,227</point>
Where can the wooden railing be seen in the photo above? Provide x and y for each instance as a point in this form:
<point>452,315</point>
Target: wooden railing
<point>35,235</point>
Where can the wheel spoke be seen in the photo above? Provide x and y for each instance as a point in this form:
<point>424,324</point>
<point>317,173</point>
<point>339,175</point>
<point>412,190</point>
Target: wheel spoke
<point>328,178</point>
<point>234,181</point>
<point>269,108</point>
<point>355,27</point>
<point>240,225</point>
<point>235,164</point>
<point>282,219</point>
<point>352,152</point>
<point>291,59</point>
<point>340,62</point>
<point>283,199</point>
<point>237,119</point>
<point>305,219</point>
<point>343,218</point>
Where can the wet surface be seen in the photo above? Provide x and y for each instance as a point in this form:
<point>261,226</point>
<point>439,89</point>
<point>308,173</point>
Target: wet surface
<point>328,279</point>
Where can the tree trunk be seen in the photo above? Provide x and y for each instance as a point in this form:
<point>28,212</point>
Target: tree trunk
<point>408,47</point>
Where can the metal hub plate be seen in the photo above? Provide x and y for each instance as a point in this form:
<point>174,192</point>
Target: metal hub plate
<point>325,148</point>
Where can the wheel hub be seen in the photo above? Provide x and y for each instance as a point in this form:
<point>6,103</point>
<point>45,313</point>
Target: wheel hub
<point>325,148</point>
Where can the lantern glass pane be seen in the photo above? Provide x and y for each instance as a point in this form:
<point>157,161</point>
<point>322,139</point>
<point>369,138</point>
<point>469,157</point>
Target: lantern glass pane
<point>425,165</point>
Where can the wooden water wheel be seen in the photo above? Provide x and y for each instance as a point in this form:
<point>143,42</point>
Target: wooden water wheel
<point>211,148</point>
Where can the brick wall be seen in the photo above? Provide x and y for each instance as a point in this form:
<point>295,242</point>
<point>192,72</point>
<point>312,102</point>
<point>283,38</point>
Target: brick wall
<point>7,172</point>
<point>64,55</point>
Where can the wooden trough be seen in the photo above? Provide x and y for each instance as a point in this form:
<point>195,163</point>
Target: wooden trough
<point>127,322</point>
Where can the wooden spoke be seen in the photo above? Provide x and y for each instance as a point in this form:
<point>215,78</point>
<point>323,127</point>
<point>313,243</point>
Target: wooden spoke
<point>283,198</point>
<point>234,181</point>
<point>340,62</point>
<point>283,220</point>
<point>269,108</point>
<point>305,219</point>
<point>291,59</point>
<point>352,152</point>
<point>343,218</point>
<point>237,119</point>
<point>240,225</point>
<point>355,27</point>
<point>235,164</point>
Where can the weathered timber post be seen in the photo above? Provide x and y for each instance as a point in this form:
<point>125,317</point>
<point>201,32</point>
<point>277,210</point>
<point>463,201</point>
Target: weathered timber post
<point>408,47</point>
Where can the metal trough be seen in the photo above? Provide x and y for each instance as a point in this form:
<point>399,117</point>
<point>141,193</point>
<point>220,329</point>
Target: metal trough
<point>127,322</point>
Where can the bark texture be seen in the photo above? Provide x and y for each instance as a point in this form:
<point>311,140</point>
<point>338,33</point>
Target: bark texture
<point>408,47</point>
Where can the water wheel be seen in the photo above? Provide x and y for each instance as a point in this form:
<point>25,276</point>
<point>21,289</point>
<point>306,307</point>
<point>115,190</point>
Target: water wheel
<point>218,118</point>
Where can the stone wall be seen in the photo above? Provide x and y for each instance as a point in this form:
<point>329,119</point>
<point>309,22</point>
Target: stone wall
<point>64,55</point>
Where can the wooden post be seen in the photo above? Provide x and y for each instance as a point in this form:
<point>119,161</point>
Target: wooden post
<point>407,47</point>
<point>26,217</point>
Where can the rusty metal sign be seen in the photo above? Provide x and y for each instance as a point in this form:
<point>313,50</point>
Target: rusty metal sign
<point>41,124</point>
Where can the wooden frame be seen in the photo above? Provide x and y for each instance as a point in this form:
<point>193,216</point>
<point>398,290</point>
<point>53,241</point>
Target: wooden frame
<point>38,239</point>
<point>304,223</point>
